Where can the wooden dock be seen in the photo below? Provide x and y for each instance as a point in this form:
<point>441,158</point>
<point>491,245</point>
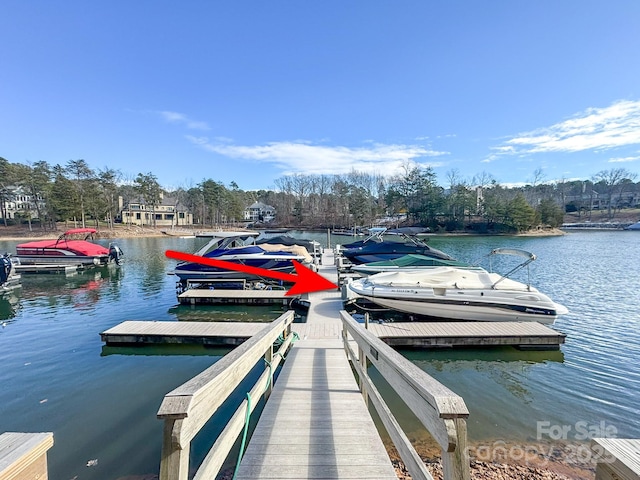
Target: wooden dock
<point>523,335</point>
<point>316,423</point>
<point>196,296</point>
<point>201,333</point>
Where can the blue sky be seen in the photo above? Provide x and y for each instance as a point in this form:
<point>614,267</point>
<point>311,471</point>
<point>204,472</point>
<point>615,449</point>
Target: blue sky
<point>248,91</point>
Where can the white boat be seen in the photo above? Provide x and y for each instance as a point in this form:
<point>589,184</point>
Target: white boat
<point>635,226</point>
<point>460,294</point>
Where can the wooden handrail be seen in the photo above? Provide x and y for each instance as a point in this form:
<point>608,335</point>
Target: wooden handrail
<point>440,410</point>
<point>187,409</point>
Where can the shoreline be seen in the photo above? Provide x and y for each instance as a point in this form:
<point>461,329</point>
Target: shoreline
<point>492,459</point>
<point>12,233</point>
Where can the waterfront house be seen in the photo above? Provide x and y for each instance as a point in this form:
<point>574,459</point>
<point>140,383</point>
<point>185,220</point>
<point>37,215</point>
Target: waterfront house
<point>259,212</point>
<point>168,213</point>
<point>18,203</point>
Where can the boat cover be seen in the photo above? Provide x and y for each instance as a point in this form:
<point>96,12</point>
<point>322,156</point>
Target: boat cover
<point>416,260</point>
<point>286,240</point>
<point>446,277</point>
<point>79,247</point>
<point>294,249</point>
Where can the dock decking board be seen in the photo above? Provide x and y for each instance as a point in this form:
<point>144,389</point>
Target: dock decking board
<point>432,334</point>
<point>204,333</point>
<point>195,295</point>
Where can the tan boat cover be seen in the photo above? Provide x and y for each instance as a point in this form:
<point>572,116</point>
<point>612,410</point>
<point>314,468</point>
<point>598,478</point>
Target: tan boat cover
<point>295,249</point>
<point>446,277</point>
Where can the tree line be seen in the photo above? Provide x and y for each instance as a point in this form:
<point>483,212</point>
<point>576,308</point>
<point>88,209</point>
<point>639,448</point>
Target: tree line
<point>75,192</point>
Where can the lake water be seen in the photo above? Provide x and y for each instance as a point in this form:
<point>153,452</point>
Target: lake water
<point>101,403</point>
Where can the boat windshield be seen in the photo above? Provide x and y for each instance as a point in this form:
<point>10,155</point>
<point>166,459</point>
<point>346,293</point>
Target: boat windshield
<point>223,240</point>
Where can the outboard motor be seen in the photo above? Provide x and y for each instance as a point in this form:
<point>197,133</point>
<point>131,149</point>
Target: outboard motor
<point>115,253</point>
<point>5,268</point>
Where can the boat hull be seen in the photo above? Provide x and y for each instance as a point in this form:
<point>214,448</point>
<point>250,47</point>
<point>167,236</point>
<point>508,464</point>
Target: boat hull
<point>61,258</point>
<point>466,311</point>
<point>508,301</point>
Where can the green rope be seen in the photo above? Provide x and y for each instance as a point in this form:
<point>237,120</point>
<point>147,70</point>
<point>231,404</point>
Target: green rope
<point>247,416</point>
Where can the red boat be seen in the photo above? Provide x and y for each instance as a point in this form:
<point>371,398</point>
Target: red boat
<point>72,247</point>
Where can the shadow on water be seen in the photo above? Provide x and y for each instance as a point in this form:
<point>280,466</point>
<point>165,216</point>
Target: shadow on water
<point>9,307</point>
<point>226,313</point>
<point>165,350</point>
<point>438,357</point>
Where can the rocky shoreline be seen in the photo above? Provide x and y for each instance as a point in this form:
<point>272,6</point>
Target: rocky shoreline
<point>497,459</point>
<point>491,471</point>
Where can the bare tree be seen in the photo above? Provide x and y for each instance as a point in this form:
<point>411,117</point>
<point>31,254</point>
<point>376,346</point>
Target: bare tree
<point>614,181</point>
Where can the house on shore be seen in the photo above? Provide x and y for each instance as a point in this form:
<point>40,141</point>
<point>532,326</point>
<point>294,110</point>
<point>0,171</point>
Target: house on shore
<point>259,212</point>
<point>18,203</point>
<point>168,213</point>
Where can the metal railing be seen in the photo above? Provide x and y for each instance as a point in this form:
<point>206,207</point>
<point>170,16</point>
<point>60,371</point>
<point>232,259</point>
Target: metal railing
<point>187,409</point>
<point>440,410</point>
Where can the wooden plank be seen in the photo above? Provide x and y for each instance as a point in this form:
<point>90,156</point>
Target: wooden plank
<point>203,333</point>
<point>447,334</point>
<point>248,297</point>
<point>453,334</point>
<point>23,455</point>
<point>204,393</point>
<point>617,458</point>
<point>239,294</point>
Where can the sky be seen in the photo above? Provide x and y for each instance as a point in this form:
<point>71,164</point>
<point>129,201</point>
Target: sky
<point>249,91</point>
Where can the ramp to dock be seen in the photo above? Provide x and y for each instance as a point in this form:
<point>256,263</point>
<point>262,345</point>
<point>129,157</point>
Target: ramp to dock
<point>316,423</point>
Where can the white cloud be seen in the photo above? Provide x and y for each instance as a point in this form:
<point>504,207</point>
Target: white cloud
<point>624,159</point>
<point>594,129</point>
<point>305,157</point>
<point>182,119</point>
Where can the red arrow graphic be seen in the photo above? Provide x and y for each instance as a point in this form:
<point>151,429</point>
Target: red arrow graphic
<point>305,281</point>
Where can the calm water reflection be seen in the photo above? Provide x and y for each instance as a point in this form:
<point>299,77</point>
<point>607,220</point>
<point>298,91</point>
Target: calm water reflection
<point>101,402</point>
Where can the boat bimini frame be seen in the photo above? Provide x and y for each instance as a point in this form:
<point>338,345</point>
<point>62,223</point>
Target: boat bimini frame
<point>530,257</point>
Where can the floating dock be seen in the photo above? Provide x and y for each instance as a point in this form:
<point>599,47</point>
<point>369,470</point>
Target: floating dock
<point>48,268</point>
<point>522,335</point>
<point>197,296</point>
<point>201,333</point>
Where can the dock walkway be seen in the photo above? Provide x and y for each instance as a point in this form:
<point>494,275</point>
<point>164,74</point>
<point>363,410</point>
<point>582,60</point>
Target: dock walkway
<point>316,423</point>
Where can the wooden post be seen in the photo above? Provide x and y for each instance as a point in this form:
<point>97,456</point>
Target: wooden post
<point>328,238</point>
<point>363,363</point>
<point>366,321</point>
<point>268,357</point>
<point>174,461</point>
<point>455,465</point>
